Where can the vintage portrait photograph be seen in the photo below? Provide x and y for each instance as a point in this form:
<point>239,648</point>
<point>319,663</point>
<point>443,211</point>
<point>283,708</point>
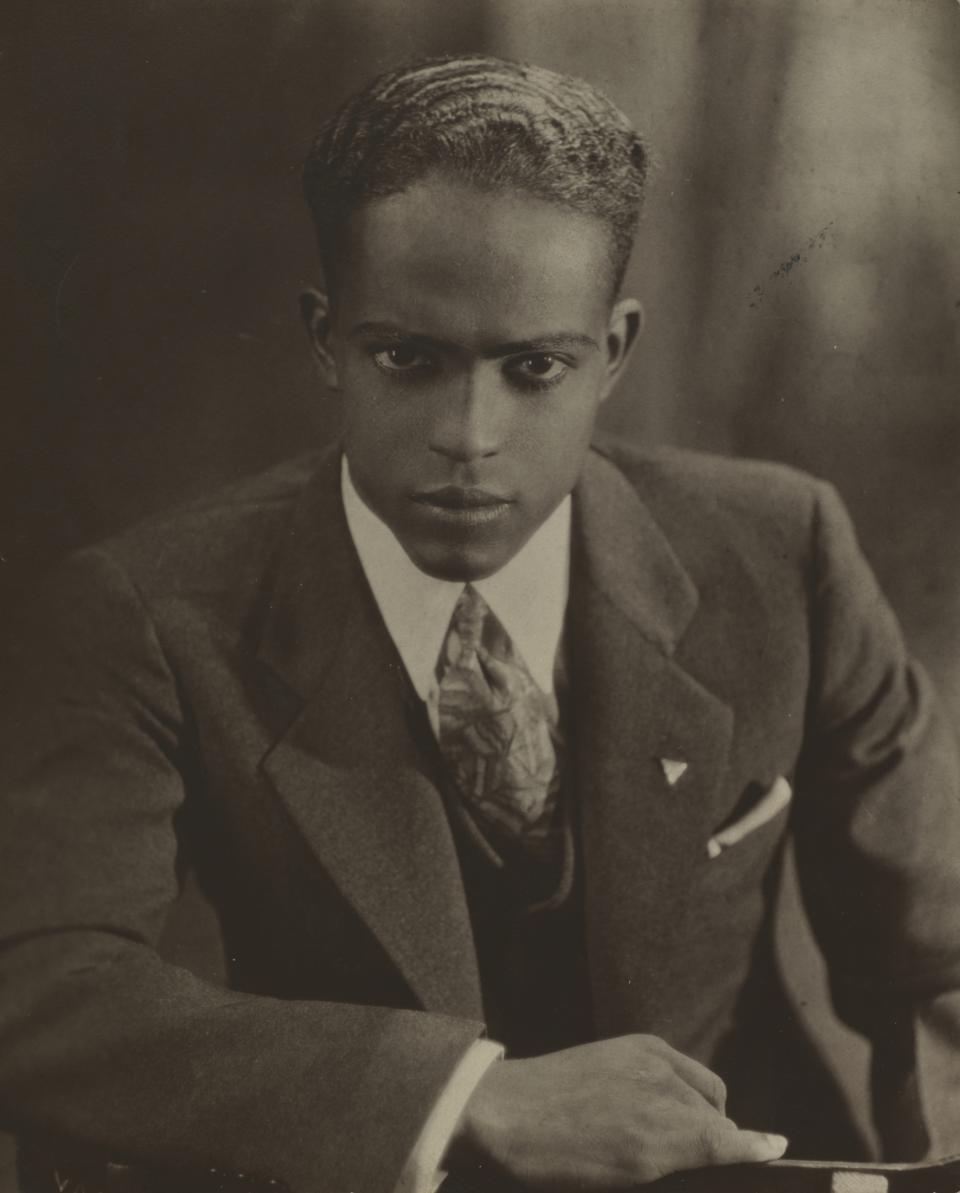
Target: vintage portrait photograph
<point>480,597</point>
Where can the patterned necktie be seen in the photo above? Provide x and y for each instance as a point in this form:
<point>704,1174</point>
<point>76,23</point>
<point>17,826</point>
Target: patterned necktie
<point>495,728</point>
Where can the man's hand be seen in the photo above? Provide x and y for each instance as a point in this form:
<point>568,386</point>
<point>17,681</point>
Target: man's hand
<point>603,1116</point>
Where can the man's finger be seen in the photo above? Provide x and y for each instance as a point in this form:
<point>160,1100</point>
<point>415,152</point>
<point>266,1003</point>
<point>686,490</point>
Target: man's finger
<point>705,1082</point>
<point>721,1144</point>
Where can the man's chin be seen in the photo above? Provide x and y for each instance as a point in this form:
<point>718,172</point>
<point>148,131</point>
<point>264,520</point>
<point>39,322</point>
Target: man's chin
<point>460,565</point>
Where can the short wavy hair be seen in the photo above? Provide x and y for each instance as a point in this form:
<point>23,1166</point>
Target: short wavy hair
<point>496,124</point>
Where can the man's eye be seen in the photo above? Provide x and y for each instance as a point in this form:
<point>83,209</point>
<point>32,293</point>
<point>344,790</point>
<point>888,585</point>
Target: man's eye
<point>401,358</point>
<point>539,368</point>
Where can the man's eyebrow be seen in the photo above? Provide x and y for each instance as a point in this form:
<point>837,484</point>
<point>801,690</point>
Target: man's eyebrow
<point>550,339</point>
<point>542,343</point>
<point>395,331</point>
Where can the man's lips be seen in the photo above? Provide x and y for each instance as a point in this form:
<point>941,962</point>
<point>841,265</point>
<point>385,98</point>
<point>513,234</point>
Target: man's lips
<point>451,497</point>
<point>463,507</point>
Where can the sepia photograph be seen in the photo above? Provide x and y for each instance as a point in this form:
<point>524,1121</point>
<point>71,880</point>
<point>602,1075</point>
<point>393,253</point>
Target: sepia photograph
<point>480,597</point>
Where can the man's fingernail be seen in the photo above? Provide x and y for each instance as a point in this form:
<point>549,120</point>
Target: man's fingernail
<point>777,1141</point>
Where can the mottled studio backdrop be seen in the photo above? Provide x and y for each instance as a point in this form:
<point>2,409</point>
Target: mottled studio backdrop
<point>799,262</point>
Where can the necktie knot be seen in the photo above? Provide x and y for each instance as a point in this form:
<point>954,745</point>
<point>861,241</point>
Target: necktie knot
<point>466,630</point>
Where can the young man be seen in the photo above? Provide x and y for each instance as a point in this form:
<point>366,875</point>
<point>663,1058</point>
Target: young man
<point>469,728</point>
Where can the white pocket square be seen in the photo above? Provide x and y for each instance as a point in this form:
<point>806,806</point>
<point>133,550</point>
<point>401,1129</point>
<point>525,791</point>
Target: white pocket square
<point>767,806</point>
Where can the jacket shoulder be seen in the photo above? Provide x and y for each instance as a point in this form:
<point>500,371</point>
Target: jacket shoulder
<point>759,490</point>
<point>716,509</point>
<point>213,542</point>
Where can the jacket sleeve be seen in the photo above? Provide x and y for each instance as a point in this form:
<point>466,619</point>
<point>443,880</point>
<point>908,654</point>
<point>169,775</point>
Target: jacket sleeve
<point>104,1044</point>
<point>878,845</point>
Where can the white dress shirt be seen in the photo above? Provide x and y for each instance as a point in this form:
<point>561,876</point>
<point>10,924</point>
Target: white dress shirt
<point>529,598</point>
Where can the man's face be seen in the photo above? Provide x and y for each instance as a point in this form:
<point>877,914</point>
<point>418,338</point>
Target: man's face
<point>473,342</point>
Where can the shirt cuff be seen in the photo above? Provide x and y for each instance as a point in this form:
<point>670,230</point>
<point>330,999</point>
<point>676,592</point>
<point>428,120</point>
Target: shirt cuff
<point>422,1172</point>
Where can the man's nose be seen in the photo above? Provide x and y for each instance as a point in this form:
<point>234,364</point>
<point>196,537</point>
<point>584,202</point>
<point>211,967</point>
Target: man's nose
<point>469,421</point>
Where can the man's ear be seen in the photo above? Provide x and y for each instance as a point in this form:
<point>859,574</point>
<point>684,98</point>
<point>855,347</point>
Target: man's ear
<point>315,312</point>
<point>626,324</point>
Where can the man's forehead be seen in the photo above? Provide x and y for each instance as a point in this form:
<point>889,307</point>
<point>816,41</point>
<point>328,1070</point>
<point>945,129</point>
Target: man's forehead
<point>439,255</point>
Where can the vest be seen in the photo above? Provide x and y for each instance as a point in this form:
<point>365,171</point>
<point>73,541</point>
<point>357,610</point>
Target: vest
<point>528,927</point>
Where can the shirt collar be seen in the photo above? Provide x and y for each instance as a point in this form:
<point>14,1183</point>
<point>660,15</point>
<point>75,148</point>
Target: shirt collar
<point>528,594</point>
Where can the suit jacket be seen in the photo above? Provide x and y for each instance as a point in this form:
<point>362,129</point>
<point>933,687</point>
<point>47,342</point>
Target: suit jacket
<point>216,691</point>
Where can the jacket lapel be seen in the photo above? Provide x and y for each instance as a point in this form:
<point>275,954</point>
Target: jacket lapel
<point>348,768</point>
<point>635,707</point>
